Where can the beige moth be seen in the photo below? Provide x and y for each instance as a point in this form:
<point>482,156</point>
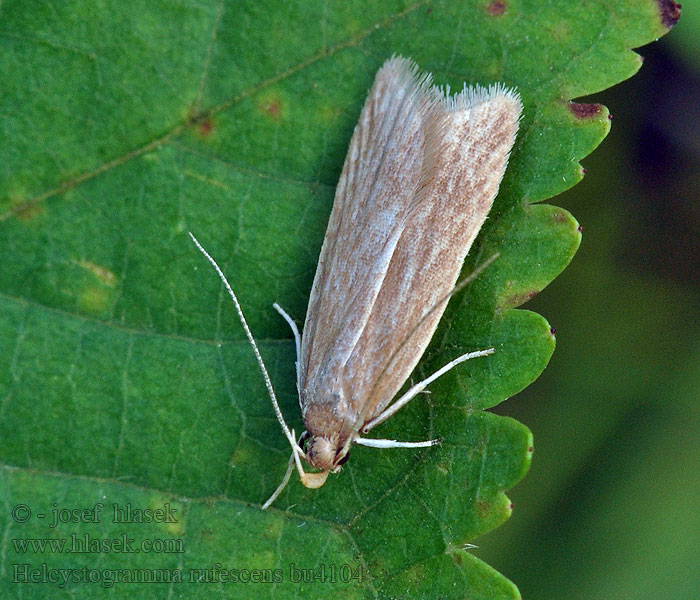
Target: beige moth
<point>419,179</point>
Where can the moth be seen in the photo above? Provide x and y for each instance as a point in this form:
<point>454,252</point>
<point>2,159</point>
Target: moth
<point>419,179</point>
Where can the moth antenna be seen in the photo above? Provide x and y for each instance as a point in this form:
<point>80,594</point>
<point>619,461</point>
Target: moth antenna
<point>372,443</point>
<point>471,277</point>
<point>296,450</point>
<point>297,343</point>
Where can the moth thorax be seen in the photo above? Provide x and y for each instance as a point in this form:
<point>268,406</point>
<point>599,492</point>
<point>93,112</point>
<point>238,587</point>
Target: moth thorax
<point>321,453</point>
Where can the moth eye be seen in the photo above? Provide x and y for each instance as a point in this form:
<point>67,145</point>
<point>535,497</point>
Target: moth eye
<point>343,460</point>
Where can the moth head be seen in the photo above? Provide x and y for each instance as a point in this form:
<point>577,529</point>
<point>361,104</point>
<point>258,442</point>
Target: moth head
<point>326,454</point>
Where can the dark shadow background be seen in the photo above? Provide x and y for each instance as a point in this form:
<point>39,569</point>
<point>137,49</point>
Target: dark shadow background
<point>611,506</point>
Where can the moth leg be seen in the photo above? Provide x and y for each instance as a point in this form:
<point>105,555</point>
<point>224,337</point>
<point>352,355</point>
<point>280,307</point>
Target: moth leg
<point>296,450</point>
<point>297,343</point>
<point>285,481</point>
<point>419,387</point>
<point>395,444</point>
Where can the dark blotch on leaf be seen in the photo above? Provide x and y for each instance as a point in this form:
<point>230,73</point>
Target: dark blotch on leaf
<point>203,123</point>
<point>520,298</point>
<point>28,210</point>
<point>559,217</point>
<point>552,330</point>
<point>579,228</point>
<point>584,111</point>
<point>496,7</point>
<point>271,109</point>
<point>483,508</point>
<point>205,127</point>
<point>670,12</point>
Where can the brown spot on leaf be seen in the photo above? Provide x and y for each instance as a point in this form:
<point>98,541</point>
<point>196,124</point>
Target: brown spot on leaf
<point>670,12</point>
<point>102,273</point>
<point>205,127</point>
<point>203,123</point>
<point>483,508</point>
<point>552,331</point>
<point>457,558</point>
<point>26,211</point>
<point>559,217</point>
<point>272,531</point>
<point>272,109</point>
<point>579,228</point>
<point>584,110</point>
<point>271,105</point>
<point>496,8</point>
<point>520,298</point>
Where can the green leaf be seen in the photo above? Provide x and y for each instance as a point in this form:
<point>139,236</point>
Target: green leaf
<point>126,379</point>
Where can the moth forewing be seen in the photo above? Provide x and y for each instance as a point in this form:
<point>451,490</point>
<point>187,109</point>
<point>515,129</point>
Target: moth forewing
<point>380,178</point>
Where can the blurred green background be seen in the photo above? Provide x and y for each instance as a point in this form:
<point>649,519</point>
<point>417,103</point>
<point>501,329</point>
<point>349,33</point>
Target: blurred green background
<point>609,508</point>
